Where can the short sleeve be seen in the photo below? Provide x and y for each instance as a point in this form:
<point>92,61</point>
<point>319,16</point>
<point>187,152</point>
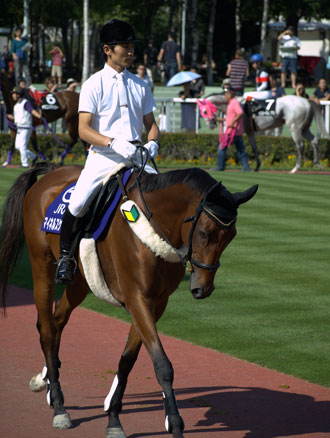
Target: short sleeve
<point>149,104</point>
<point>88,98</point>
<point>28,107</point>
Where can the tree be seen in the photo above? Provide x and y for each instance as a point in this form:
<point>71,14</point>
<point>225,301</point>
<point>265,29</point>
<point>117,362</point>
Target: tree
<point>238,23</point>
<point>210,35</point>
<point>264,27</point>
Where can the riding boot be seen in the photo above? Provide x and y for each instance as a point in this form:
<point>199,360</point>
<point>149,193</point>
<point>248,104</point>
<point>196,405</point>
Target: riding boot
<point>67,264</point>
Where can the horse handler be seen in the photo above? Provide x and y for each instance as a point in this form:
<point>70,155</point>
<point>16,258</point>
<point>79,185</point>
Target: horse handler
<point>114,105</point>
<point>234,131</point>
<point>23,112</point>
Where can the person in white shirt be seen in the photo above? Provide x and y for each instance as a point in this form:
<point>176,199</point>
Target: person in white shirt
<point>23,112</point>
<point>114,106</point>
<point>289,46</point>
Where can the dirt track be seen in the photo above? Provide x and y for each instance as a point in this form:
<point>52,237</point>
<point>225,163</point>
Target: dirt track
<point>218,396</point>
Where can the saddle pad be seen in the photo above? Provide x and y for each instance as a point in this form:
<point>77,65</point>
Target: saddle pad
<point>53,219</point>
<point>49,102</point>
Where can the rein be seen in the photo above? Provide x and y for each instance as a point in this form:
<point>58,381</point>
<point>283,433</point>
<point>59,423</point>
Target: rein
<point>187,259</point>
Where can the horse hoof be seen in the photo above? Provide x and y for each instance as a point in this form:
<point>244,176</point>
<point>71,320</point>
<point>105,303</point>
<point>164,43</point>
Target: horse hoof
<point>115,432</point>
<point>62,421</point>
<point>37,383</point>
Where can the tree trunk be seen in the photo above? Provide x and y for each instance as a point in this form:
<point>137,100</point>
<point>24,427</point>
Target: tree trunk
<point>195,42</point>
<point>171,15</point>
<point>85,72</point>
<point>238,24</point>
<point>210,34</point>
<point>263,33</point>
<point>66,48</point>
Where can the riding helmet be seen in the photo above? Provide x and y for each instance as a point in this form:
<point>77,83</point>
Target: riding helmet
<point>117,32</point>
<point>18,90</point>
<point>256,58</point>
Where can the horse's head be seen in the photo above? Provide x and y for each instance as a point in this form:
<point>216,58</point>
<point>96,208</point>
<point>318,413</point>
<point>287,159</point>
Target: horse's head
<point>208,111</point>
<point>213,228</point>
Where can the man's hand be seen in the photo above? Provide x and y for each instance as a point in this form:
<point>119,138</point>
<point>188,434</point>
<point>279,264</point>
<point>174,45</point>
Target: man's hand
<point>152,148</point>
<point>123,147</point>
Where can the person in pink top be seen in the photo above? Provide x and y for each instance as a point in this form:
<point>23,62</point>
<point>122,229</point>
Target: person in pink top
<point>234,131</point>
<point>57,56</point>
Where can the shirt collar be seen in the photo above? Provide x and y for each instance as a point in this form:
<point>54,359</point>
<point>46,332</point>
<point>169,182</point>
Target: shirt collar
<point>112,72</point>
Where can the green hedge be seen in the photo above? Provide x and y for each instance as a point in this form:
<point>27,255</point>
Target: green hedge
<point>187,148</point>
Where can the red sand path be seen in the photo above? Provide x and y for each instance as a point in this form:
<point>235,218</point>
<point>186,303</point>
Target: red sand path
<point>218,396</point>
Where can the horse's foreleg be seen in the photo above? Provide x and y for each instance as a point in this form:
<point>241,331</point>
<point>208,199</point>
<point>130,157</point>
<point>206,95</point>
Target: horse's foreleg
<point>315,144</point>
<point>11,148</point>
<point>146,326</point>
<point>113,401</point>
<point>252,141</point>
<point>299,142</point>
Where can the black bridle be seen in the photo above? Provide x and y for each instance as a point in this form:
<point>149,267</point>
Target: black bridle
<point>187,259</point>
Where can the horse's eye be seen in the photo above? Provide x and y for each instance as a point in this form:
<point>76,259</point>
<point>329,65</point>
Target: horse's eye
<point>202,234</point>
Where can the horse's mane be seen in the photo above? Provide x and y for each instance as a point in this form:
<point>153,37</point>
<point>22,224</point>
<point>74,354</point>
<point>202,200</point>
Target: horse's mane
<point>197,179</point>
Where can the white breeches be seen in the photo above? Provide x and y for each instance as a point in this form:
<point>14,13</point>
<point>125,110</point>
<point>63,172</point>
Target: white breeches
<point>100,162</point>
<point>21,143</point>
<point>259,95</point>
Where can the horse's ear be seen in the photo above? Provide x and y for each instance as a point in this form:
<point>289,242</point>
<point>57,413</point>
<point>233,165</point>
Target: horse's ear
<point>245,196</point>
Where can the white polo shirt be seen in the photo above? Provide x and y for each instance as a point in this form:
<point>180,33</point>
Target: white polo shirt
<point>99,96</point>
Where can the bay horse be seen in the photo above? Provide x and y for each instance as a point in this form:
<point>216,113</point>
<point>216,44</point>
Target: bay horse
<point>68,102</point>
<point>195,214</point>
<point>295,112</point>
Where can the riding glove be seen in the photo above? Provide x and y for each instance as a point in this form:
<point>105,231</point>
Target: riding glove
<point>152,148</point>
<point>123,147</point>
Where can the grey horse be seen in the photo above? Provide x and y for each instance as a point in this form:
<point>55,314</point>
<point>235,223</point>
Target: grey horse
<point>295,112</point>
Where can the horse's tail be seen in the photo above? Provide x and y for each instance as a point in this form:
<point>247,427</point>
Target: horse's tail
<point>319,119</point>
<point>12,230</point>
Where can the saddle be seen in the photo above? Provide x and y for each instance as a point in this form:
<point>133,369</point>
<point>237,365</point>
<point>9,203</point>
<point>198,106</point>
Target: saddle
<point>260,108</point>
<point>100,213</point>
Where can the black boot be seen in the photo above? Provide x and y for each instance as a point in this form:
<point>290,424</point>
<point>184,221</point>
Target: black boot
<point>67,264</point>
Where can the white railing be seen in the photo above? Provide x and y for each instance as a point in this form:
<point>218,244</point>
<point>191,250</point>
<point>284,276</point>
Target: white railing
<point>326,104</point>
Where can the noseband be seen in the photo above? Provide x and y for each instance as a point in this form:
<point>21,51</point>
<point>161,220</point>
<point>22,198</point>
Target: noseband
<point>188,260</point>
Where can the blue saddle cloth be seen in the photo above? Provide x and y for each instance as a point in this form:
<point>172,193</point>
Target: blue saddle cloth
<point>53,219</point>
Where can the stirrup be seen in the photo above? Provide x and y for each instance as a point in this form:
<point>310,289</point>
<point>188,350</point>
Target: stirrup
<point>66,270</point>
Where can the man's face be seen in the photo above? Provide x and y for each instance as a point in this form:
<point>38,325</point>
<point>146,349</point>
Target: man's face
<point>322,84</point>
<point>227,96</point>
<point>15,97</point>
<point>255,65</point>
<point>120,55</point>
<point>22,84</point>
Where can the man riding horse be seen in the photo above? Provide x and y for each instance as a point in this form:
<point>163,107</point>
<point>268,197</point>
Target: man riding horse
<point>114,105</point>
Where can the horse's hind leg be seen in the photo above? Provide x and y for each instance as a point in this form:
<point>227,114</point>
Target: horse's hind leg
<point>315,144</point>
<point>50,328</point>
<point>35,146</point>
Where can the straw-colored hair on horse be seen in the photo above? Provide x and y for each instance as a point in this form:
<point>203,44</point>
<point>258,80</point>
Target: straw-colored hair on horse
<point>193,216</point>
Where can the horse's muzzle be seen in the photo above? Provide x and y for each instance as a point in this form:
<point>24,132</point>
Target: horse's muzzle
<point>201,293</point>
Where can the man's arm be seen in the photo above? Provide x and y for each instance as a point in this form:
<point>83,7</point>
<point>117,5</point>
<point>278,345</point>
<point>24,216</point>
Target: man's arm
<point>151,126</point>
<point>160,55</point>
<point>178,60</point>
<point>228,70</point>
<point>88,134</point>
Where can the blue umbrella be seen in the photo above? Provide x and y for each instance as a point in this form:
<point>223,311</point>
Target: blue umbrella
<point>182,77</point>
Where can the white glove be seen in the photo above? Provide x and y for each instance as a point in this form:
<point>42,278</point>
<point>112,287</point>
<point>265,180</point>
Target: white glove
<point>123,147</point>
<point>152,148</point>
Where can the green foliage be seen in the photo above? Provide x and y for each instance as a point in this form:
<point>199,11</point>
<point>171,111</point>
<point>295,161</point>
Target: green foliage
<point>201,149</point>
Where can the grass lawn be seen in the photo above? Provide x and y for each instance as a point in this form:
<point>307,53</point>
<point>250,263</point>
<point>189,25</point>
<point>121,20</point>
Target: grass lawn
<point>271,305</point>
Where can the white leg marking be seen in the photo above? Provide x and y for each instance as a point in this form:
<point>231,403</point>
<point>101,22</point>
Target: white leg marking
<point>108,398</point>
